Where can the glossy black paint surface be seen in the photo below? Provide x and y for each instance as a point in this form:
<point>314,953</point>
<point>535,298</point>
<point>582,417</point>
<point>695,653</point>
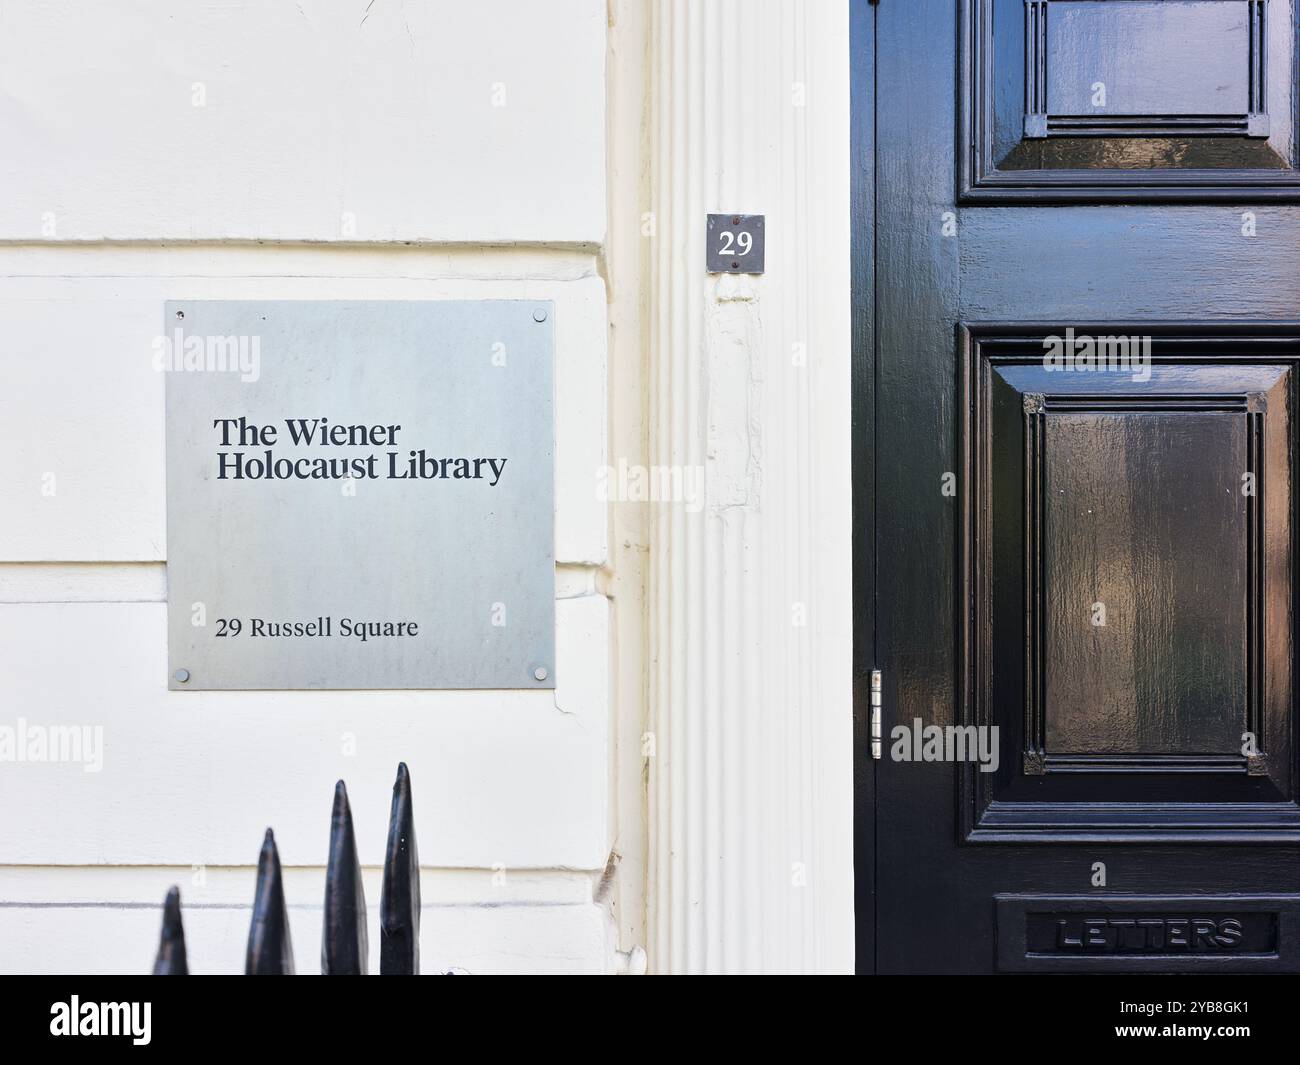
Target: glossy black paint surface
<point>344,944</point>
<point>270,949</point>
<point>1166,672</point>
<point>1086,491</point>
<point>399,901</point>
<point>171,960</point>
<point>1119,744</point>
<point>1102,101</point>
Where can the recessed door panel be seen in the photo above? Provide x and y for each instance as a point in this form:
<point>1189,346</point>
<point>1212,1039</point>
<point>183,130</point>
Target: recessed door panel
<point>1129,543</point>
<point>1144,646</point>
<point>1128,101</point>
<point>1145,59</point>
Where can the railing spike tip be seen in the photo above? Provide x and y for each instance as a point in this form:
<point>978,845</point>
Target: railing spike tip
<point>171,959</point>
<point>344,939</point>
<point>270,950</point>
<point>399,906</point>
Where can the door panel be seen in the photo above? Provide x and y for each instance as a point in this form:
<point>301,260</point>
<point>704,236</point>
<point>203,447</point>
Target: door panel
<point>1128,549</point>
<point>1092,556</point>
<point>1075,101</point>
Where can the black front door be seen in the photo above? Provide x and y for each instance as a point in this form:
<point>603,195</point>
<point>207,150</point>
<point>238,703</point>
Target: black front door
<point>1079,379</point>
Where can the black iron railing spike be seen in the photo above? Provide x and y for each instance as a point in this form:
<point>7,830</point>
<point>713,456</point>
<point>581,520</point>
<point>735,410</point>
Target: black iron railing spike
<point>171,960</point>
<point>344,943</point>
<point>270,951</point>
<point>399,904</point>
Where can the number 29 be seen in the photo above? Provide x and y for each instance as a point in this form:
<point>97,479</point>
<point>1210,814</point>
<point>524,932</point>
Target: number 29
<point>737,244</point>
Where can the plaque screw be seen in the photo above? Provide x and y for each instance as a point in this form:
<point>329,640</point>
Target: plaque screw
<point>540,673</point>
<point>181,675</point>
<point>539,315</point>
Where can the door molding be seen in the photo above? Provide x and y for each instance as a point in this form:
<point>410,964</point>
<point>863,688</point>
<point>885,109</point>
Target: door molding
<point>862,45</point>
<point>1260,146</point>
<point>1266,358</point>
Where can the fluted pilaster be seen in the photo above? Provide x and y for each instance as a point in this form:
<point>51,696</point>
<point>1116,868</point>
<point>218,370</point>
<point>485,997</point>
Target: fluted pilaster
<point>750,612</point>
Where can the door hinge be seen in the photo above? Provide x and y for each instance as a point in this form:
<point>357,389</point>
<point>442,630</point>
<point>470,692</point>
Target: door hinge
<point>875,714</point>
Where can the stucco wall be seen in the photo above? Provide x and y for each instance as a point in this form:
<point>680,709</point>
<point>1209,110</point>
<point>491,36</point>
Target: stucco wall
<point>280,150</point>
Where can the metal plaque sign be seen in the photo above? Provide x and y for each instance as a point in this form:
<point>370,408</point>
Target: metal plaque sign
<point>735,244</point>
<point>359,494</point>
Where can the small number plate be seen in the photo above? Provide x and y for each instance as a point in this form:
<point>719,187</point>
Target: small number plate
<point>734,244</point>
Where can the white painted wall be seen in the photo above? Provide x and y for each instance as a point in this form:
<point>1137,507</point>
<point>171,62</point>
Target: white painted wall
<point>437,121</point>
<point>354,149</point>
<point>343,150</point>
